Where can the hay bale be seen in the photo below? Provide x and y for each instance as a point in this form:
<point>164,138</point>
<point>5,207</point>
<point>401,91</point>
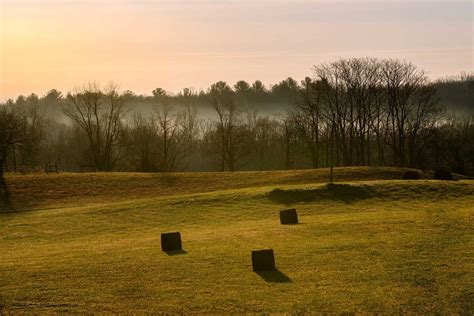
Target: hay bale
<point>411,175</point>
<point>171,241</point>
<point>288,217</point>
<point>442,174</point>
<point>263,260</point>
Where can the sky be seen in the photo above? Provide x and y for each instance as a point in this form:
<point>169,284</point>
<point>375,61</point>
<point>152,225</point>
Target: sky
<point>173,44</point>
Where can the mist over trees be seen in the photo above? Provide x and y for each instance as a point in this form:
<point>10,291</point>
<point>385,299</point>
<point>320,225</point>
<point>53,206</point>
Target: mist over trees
<point>359,111</point>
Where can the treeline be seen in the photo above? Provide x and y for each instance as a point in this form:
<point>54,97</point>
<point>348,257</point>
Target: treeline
<point>361,111</point>
<point>456,94</point>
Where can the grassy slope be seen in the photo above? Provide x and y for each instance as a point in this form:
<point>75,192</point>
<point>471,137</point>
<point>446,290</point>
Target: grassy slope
<point>47,191</point>
<point>380,245</point>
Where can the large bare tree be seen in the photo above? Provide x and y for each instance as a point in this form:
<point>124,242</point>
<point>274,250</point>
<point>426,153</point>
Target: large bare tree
<point>307,118</point>
<point>410,105</point>
<point>99,113</point>
<point>170,137</point>
<point>227,125</point>
<point>367,99</point>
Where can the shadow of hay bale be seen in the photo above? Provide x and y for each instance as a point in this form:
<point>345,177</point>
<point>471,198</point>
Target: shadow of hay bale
<point>332,191</point>
<point>274,276</point>
<point>175,252</point>
<point>6,206</point>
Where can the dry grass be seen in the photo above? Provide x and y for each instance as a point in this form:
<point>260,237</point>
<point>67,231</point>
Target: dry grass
<point>50,191</point>
<point>385,246</point>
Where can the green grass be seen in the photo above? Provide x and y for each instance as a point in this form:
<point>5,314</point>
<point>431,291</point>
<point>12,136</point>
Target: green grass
<point>369,244</point>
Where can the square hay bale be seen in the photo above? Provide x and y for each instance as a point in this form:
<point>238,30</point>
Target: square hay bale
<point>171,241</point>
<point>263,260</point>
<point>288,217</point>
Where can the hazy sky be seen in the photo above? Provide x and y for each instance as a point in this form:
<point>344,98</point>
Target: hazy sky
<point>146,44</point>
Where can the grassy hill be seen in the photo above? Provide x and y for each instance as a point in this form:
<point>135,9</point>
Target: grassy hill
<point>72,189</point>
<point>368,243</point>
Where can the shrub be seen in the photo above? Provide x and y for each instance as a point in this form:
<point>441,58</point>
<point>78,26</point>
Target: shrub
<point>442,174</point>
<point>411,175</point>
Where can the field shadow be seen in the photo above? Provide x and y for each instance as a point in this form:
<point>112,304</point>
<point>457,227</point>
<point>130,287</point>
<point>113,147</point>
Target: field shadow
<point>6,206</point>
<point>5,203</point>
<point>332,191</point>
<point>175,252</point>
<point>168,179</point>
<point>274,276</point>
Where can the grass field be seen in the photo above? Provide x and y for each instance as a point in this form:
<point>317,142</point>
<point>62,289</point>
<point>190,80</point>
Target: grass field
<point>368,243</point>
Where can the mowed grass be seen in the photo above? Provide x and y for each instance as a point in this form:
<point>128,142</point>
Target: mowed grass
<point>72,189</point>
<point>387,246</point>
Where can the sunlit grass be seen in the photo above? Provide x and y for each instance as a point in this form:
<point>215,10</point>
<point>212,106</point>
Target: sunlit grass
<point>72,189</point>
<point>371,246</point>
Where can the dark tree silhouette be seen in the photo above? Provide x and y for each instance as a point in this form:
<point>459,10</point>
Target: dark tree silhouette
<point>12,134</point>
<point>99,114</point>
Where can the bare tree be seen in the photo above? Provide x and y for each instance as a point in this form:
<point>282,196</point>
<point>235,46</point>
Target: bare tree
<point>34,132</point>
<point>143,142</point>
<point>190,129</point>
<point>169,138</point>
<point>221,100</point>
<point>176,131</point>
<point>12,135</point>
<point>100,114</point>
<point>351,94</point>
<point>366,98</point>
<point>410,106</point>
<point>227,124</point>
<point>307,117</point>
